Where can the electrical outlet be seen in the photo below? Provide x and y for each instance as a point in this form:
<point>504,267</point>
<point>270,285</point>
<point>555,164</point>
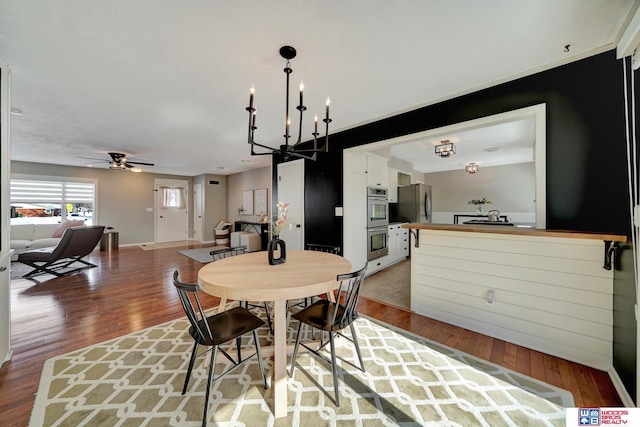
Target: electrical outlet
<point>491,298</point>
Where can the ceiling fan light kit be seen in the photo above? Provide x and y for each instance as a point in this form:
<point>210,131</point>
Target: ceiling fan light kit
<point>288,150</point>
<point>119,161</point>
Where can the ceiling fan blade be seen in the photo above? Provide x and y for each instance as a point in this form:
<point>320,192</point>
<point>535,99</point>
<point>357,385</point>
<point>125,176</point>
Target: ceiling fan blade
<point>92,158</point>
<point>141,163</point>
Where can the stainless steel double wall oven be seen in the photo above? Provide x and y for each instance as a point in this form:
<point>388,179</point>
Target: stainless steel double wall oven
<point>377,222</point>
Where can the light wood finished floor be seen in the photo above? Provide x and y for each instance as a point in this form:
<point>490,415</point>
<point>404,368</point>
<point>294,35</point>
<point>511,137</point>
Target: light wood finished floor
<point>390,286</point>
<point>132,290</point>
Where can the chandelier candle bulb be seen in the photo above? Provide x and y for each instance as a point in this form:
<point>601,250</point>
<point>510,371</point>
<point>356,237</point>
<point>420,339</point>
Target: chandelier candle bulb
<point>328,102</point>
<point>315,129</point>
<point>301,90</point>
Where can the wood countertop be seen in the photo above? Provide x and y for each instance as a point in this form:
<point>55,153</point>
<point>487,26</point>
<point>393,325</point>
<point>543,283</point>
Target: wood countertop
<point>513,230</point>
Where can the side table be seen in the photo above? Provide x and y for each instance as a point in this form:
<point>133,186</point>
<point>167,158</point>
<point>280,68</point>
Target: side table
<point>109,241</point>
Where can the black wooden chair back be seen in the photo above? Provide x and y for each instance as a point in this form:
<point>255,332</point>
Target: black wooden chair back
<point>323,248</point>
<point>347,298</point>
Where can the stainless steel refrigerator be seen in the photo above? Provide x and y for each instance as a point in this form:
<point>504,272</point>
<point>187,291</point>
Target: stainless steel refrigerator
<point>414,202</point>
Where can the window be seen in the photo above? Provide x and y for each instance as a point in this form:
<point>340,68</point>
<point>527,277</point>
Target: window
<point>172,197</point>
<point>44,201</point>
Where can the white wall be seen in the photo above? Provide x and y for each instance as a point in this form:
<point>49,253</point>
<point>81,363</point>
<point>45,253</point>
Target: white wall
<point>5,295</point>
<point>122,197</point>
<point>250,180</point>
<point>511,188</point>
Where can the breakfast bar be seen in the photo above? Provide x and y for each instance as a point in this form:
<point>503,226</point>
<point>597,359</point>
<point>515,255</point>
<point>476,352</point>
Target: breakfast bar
<point>548,290</point>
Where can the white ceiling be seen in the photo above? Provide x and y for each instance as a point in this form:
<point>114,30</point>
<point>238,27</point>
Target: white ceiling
<point>167,82</point>
<point>494,145</point>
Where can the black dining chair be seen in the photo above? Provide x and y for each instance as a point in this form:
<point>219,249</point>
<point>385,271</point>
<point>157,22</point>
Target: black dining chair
<point>332,317</point>
<point>215,330</point>
<point>221,253</point>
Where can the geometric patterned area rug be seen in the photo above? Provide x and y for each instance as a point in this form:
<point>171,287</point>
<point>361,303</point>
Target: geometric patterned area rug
<point>137,380</point>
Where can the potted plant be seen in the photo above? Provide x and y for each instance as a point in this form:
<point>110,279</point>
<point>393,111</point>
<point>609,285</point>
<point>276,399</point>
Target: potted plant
<point>479,203</point>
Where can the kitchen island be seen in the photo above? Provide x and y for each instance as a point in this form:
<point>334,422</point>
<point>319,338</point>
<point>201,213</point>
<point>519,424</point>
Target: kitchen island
<point>548,290</point>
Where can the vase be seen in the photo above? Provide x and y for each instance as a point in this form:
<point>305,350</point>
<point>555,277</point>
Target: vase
<point>276,244</point>
<point>479,210</point>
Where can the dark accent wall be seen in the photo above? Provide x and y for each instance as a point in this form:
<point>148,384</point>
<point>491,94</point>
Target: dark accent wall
<point>586,166</point>
<point>624,322</point>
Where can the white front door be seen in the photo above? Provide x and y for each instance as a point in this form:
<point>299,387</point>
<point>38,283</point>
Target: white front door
<point>172,222</point>
<point>291,190</point>
<point>197,212</point>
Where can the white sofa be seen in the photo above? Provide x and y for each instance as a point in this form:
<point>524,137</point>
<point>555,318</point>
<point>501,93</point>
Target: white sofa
<point>34,236</point>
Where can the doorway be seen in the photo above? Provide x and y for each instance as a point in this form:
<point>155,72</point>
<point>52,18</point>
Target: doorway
<point>291,190</point>
<point>171,220</point>
<point>197,212</point>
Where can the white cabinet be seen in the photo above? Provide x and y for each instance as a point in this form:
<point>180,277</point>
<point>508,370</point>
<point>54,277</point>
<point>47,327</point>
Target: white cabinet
<point>377,171</point>
<point>403,238</point>
<point>354,235</point>
<point>393,185</point>
<point>361,170</point>
<point>356,163</point>
<point>377,264</point>
<point>398,243</point>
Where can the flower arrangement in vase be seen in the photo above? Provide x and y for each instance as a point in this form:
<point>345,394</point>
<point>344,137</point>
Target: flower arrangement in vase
<point>281,220</point>
<point>479,203</point>
<point>276,244</point>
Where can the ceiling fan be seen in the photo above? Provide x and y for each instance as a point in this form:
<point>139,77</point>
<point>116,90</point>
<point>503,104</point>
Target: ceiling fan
<point>119,161</point>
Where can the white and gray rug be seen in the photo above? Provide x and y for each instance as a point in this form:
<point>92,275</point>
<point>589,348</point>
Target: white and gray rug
<point>202,255</point>
<point>164,245</point>
<point>410,381</point>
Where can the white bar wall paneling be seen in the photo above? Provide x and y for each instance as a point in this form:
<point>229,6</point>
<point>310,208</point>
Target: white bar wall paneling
<point>549,294</point>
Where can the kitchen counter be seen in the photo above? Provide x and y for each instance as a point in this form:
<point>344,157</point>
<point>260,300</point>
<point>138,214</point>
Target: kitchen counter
<point>515,230</point>
<point>547,290</point>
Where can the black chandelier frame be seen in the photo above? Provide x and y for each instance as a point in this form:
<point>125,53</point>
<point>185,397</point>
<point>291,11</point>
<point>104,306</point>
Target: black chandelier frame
<point>288,150</point>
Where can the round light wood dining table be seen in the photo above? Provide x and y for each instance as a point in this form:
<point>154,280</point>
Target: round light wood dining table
<point>250,277</point>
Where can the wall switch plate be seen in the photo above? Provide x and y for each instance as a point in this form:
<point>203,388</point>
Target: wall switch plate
<point>339,211</point>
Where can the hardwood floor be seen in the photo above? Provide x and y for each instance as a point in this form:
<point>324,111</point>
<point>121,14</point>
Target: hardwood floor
<point>131,290</point>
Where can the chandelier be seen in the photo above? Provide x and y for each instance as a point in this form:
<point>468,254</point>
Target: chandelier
<point>445,149</point>
<point>288,150</point>
<point>471,168</point>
